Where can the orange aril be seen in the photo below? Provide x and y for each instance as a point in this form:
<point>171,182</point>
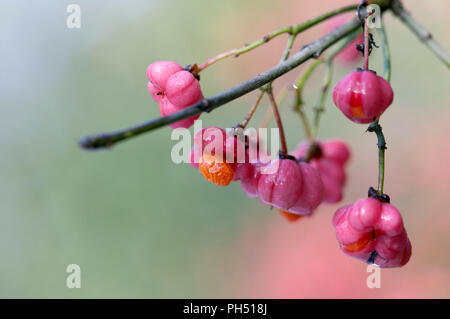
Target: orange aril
<point>216,170</point>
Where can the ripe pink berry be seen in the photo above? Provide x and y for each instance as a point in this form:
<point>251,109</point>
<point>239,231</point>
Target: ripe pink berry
<point>330,163</point>
<point>281,183</point>
<point>211,140</point>
<point>216,142</point>
<point>174,89</point>
<point>183,89</point>
<point>232,149</point>
<point>159,72</point>
<point>335,150</point>
<point>293,187</point>
<point>374,232</point>
<point>167,108</point>
<point>312,193</point>
<point>362,96</point>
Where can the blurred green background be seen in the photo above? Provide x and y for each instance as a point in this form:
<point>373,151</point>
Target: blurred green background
<point>140,226</point>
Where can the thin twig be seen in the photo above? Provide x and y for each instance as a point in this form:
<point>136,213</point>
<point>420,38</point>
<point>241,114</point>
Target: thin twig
<point>250,113</point>
<point>292,30</point>
<point>376,127</point>
<point>424,35</point>
<point>278,120</point>
<point>298,107</point>
<point>269,114</point>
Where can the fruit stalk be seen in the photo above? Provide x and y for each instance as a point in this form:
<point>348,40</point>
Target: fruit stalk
<point>366,40</point>
<point>278,120</point>
<point>377,129</point>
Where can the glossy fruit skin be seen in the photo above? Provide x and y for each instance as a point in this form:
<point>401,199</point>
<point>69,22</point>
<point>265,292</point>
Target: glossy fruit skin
<point>167,108</point>
<point>313,191</point>
<point>214,140</point>
<point>183,89</point>
<point>285,184</point>
<point>174,89</point>
<point>331,164</point>
<point>160,71</point>
<point>370,226</point>
<point>215,170</point>
<point>282,186</point>
<point>363,96</point>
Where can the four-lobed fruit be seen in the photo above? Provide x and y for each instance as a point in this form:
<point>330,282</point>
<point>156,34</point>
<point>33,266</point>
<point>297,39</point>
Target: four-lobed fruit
<point>373,231</point>
<point>174,89</point>
<point>288,185</point>
<point>363,96</point>
<point>216,155</point>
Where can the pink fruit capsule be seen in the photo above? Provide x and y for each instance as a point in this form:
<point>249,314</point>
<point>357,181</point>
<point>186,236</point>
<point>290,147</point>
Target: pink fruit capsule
<point>159,72</point>
<point>362,96</point>
<point>281,183</point>
<point>211,140</point>
<point>167,108</point>
<point>330,168</point>
<point>333,156</point>
<point>332,189</point>
<point>312,192</point>
<point>183,89</point>
<point>373,232</point>
<point>336,150</point>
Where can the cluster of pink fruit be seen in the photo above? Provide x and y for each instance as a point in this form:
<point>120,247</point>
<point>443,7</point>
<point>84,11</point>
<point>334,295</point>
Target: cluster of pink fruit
<point>371,229</point>
<point>285,183</point>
